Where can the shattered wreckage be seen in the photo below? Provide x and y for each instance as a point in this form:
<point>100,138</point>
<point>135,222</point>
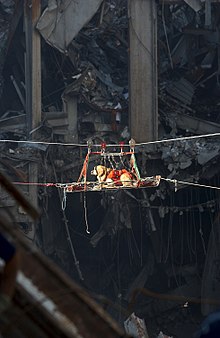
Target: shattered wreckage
<point>165,239</point>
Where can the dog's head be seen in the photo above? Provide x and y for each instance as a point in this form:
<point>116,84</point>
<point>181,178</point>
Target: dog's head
<point>100,171</point>
<point>94,171</point>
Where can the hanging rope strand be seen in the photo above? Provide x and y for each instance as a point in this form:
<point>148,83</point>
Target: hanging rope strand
<point>84,173</point>
<point>86,213</point>
<point>65,220</point>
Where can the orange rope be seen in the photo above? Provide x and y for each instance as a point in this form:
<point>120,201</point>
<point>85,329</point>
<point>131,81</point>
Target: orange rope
<point>84,169</point>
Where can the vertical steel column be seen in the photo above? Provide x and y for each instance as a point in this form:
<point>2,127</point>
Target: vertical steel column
<point>32,11</point>
<point>36,66</point>
<point>28,64</point>
<point>143,108</point>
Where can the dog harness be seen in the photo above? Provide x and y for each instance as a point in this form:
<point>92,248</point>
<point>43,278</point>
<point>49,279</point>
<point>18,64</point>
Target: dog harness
<point>116,174</point>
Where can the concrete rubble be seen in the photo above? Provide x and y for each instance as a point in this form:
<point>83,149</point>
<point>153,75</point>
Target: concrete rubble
<point>137,238</point>
<point>136,327</point>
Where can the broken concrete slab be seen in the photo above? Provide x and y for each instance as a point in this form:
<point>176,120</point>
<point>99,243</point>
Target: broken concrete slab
<point>185,164</point>
<point>207,155</point>
<point>57,26</point>
<point>194,4</point>
<point>194,124</point>
<point>182,90</point>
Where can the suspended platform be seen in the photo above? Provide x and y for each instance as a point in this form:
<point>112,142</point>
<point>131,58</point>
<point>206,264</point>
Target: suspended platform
<point>146,182</point>
<point>111,173</point>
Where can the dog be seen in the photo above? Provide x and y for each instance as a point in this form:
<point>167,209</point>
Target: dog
<point>101,172</point>
<point>110,177</point>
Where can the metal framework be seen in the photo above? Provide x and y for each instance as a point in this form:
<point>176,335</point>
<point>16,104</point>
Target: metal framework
<point>137,182</point>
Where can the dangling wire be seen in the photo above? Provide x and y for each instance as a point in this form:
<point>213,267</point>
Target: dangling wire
<point>85,187</point>
<point>65,220</point>
<point>85,214</point>
<point>122,162</point>
<point>111,162</point>
<point>201,234</point>
<point>114,161</point>
<point>141,234</point>
<point>103,160</point>
<point>64,200</point>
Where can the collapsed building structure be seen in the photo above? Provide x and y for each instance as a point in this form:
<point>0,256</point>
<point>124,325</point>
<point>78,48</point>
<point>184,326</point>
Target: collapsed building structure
<point>164,239</point>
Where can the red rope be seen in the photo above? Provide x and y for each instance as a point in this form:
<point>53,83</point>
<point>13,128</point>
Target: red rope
<point>84,168</point>
<point>36,183</point>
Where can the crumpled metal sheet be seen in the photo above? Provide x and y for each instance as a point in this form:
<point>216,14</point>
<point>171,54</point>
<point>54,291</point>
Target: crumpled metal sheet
<point>194,4</point>
<point>182,90</point>
<point>61,21</point>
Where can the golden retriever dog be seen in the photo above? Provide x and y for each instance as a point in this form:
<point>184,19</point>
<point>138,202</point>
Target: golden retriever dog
<point>101,172</point>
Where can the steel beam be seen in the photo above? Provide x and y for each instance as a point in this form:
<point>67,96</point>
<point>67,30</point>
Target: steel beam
<point>32,11</point>
<point>143,70</point>
<point>45,294</point>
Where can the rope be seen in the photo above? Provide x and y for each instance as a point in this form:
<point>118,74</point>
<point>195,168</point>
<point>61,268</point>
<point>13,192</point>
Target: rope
<point>114,145</point>
<point>134,167</point>
<point>65,220</point>
<point>83,175</point>
<point>76,262</point>
<point>39,184</point>
<point>189,183</point>
<point>174,181</point>
<point>64,200</point>
<point>44,142</point>
<point>85,213</point>
<point>184,138</point>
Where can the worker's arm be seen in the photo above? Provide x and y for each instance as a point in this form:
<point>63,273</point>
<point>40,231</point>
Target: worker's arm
<point>10,256</point>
